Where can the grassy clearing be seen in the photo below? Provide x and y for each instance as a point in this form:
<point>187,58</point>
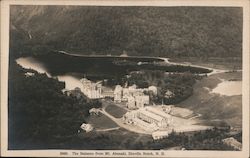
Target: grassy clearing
<point>214,106</point>
<point>115,111</point>
<point>101,122</point>
<point>181,112</point>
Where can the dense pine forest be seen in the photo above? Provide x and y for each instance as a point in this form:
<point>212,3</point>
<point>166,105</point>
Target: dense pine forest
<point>39,113</point>
<point>145,31</point>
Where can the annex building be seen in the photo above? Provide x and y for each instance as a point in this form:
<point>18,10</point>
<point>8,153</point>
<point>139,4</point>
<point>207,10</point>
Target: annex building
<point>95,90</point>
<point>133,96</point>
<point>90,89</point>
<point>149,118</point>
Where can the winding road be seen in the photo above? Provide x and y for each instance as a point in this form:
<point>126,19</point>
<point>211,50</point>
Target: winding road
<point>107,129</point>
<point>120,123</point>
<point>166,60</point>
<point>214,71</point>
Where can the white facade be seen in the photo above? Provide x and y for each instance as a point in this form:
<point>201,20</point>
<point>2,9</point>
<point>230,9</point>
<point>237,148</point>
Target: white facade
<point>233,143</point>
<point>118,93</point>
<point>87,127</point>
<point>130,116</point>
<point>28,74</point>
<point>151,117</point>
<point>153,89</point>
<point>90,89</point>
<point>151,127</point>
<point>160,112</point>
<point>94,111</point>
<point>149,120</point>
<point>131,104</point>
<point>141,100</point>
<point>125,94</point>
<point>160,135</point>
<point>107,92</point>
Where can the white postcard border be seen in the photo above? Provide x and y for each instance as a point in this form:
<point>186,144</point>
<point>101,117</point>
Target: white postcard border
<point>76,153</point>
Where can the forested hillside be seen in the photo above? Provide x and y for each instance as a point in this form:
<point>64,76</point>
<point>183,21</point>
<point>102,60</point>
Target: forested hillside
<point>149,31</point>
<point>39,114</point>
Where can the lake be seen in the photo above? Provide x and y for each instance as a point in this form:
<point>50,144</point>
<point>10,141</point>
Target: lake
<point>71,82</point>
<point>107,67</point>
<point>31,63</point>
<point>70,69</point>
<point>228,88</point>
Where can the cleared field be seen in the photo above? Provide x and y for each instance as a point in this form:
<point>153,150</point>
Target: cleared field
<point>214,106</point>
<point>181,112</point>
<point>115,111</point>
<point>101,122</point>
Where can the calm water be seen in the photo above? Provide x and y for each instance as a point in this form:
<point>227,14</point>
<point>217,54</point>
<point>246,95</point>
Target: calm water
<point>71,82</point>
<point>31,63</point>
<point>63,66</point>
<point>107,67</point>
<point>229,88</point>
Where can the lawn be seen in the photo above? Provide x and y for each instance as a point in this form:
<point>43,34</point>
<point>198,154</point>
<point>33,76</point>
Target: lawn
<point>214,106</point>
<point>101,122</point>
<point>181,112</point>
<point>115,111</point>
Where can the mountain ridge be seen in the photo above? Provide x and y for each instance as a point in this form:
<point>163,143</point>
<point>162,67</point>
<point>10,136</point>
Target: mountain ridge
<point>147,31</point>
